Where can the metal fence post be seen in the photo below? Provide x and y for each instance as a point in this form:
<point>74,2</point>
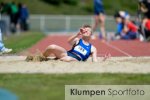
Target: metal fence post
<point>42,23</point>
<point>68,23</point>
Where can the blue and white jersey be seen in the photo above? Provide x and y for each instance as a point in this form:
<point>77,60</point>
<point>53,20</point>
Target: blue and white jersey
<point>82,50</point>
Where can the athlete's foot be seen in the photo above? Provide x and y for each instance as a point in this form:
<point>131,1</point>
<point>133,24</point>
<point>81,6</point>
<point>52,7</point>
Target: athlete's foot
<point>29,58</point>
<point>40,58</point>
<point>36,58</point>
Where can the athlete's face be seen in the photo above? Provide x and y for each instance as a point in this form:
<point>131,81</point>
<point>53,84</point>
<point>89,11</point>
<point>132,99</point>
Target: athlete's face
<point>87,32</point>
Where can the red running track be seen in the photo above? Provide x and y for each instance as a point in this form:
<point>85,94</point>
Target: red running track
<point>115,48</point>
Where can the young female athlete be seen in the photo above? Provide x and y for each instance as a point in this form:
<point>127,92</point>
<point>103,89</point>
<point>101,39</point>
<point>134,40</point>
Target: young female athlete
<point>81,47</point>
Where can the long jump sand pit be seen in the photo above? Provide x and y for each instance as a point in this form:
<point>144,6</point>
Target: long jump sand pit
<point>17,64</point>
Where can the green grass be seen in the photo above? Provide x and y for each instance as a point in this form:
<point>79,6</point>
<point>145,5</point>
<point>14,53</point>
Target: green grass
<point>51,86</point>
<point>127,5</point>
<point>23,41</point>
<point>83,8</point>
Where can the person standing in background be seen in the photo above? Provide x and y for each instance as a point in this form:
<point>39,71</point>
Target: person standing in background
<point>99,18</point>
<point>144,7</point>
<point>11,10</point>
<point>3,49</point>
<point>13,17</point>
<point>23,16</point>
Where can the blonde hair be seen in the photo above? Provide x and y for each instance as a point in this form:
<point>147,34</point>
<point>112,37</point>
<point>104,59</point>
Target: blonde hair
<point>88,26</point>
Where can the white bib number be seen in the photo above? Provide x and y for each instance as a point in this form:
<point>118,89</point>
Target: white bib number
<point>80,49</point>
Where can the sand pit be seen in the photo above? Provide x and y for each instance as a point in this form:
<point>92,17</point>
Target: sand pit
<point>17,64</point>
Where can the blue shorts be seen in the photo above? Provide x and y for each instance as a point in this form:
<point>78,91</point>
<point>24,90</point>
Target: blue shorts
<point>129,35</point>
<point>69,53</point>
<point>98,9</point>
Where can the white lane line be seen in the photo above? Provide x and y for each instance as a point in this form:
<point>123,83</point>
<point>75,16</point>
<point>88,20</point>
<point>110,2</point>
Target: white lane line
<point>114,47</point>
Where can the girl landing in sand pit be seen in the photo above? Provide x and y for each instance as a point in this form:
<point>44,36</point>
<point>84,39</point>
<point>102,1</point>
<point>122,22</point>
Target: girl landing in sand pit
<point>81,50</point>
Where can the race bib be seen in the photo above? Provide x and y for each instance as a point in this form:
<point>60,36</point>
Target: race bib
<point>80,49</point>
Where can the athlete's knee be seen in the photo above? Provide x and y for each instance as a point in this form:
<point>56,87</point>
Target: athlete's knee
<point>102,19</point>
<point>50,47</point>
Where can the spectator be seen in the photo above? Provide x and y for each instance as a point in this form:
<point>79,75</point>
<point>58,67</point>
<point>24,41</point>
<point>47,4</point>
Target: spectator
<point>14,17</point>
<point>1,5</point>
<point>5,8</point>
<point>120,24</point>
<point>130,30</point>
<point>23,17</point>
<point>144,6</point>
<point>99,17</point>
<point>12,10</point>
<point>3,49</point>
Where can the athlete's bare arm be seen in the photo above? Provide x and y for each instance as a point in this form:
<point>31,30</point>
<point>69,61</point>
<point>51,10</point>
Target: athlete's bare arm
<point>75,38</point>
<point>94,54</point>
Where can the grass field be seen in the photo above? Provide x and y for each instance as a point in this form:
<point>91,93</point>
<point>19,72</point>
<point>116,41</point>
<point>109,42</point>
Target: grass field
<point>80,9</point>
<point>23,41</point>
<point>51,86</point>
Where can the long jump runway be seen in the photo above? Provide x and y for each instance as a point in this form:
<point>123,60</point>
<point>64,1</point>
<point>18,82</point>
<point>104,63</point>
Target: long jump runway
<point>116,48</point>
<point>127,57</point>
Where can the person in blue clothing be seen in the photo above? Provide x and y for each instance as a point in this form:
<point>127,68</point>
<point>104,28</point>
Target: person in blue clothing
<point>23,15</point>
<point>99,17</point>
<point>119,22</point>
<point>81,50</point>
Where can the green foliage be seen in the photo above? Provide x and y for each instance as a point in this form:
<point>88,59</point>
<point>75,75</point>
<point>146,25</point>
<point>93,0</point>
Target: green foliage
<point>53,2</point>
<point>77,7</point>
<point>71,2</point>
<point>114,5</point>
<point>58,2</point>
<point>88,8</point>
<point>52,86</point>
<point>21,42</point>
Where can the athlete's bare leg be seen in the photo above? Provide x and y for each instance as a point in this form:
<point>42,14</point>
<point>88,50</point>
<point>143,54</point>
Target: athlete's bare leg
<point>68,59</point>
<point>58,52</point>
<point>102,24</point>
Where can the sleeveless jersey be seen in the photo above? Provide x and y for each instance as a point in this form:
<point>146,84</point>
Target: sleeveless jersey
<point>82,50</point>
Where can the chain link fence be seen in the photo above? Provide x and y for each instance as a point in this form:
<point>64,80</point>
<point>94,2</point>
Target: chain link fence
<point>59,23</point>
<point>51,23</point>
